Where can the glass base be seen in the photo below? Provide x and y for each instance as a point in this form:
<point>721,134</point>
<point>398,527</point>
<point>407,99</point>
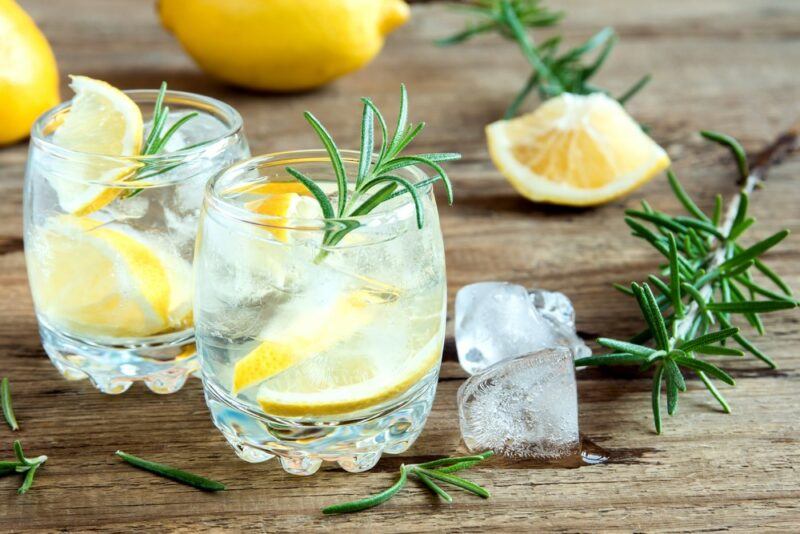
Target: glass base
<point>356,445</point>
<point>163,365</point>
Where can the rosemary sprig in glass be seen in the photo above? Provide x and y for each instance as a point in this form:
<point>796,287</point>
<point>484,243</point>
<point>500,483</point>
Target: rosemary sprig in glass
<point>707,280</point>
<point>375,181</point>
<point>5,401</point>
<point>553,72</point>
<point>157,139</point>
<point>428,474</point>
<point>184,477</point>
<point>28,466</point>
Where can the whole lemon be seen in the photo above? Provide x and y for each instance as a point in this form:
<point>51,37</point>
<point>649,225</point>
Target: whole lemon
<point>281,45</point>
<point>28,73</point>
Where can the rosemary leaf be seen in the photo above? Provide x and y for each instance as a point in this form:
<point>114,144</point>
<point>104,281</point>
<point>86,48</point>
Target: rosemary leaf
<point>8,408</point>
<point>369,502</point>
<point>190,479</point>
<point>456,481</point>
<point>425,479</point>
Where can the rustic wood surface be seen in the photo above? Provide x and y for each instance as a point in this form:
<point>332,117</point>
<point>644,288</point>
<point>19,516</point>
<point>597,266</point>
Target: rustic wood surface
<point>721,64</point>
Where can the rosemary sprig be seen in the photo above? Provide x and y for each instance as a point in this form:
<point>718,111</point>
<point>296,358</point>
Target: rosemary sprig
<point>28,466</point>
<point>427,473</point>
<point>157,139</point>
<point>488,17</point>
<point>707,280</point>
<point>375,181</point>
<point>553,72</point>
<point>190,479</point>
<point>5,401</point>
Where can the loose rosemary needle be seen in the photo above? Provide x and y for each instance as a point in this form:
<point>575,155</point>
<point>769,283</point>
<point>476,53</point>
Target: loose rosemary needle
<point>5,400</point>
<point>184,477</point>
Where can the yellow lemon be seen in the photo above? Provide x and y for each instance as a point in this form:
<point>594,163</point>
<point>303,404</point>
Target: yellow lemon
<point>92,279</point>
<point>28,73</point>
<point>102,120</point>
<point>575,150</point>
<point>281,45</point>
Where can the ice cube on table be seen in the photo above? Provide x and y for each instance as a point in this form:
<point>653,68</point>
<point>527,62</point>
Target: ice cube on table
<point>523,407</point>
<point>499,320</point>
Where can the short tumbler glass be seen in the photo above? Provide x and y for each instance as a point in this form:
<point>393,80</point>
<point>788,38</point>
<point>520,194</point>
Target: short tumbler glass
<point>314,352</point>
<point>110,261</point>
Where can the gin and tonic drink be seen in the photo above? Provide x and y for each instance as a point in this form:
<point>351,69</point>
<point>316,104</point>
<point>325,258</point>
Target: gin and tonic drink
<point>315,352</point>
<point>110,224</point>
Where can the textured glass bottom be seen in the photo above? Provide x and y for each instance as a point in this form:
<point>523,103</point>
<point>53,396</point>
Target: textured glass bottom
<point>162,366</point>
<point>301,446</point>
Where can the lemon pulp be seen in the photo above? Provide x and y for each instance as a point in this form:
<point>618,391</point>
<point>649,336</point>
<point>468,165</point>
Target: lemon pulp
<point>575,150</point>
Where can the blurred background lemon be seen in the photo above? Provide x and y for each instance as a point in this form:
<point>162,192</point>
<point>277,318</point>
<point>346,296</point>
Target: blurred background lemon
<point>28,73</point>
<point>282,45</point>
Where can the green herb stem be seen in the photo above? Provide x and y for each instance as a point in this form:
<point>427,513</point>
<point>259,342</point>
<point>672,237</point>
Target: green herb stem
<point>23,465</point>
<point>427,473</point>
<point>190,479</point>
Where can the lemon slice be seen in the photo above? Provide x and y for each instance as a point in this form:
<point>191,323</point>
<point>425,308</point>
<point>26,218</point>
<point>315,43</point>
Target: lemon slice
<point>354,383</point>
<point>308,334</point>
<point>575,150</point>
<point>97,281</point>
<point>102,120</point>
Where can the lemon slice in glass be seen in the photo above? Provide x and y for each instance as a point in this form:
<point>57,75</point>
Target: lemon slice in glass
<point>577,150</point>
<point>345,382</point>
<point>102,120</point>
<point>308,334</point>
<point>99,281</point>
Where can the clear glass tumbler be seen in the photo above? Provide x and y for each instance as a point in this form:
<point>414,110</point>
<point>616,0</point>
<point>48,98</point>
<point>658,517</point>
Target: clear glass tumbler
<point>110,262</point>
<point>312,352</point>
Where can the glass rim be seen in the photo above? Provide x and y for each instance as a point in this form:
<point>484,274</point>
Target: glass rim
<point>234,125</point>
<point>215,199</point>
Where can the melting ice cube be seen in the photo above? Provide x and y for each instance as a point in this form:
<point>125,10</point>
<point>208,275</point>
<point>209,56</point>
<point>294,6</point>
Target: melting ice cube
<point>499,320</point>
<point>524,407</point>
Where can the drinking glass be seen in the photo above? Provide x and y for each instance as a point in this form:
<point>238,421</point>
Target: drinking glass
<point>110,262</point>
<point>314,352</point>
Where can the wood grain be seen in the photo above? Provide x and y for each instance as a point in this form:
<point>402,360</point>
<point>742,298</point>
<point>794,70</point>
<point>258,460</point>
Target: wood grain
<point>730,66</point>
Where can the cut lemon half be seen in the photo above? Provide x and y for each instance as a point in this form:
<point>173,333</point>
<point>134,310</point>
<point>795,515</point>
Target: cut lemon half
<point>575,150</point>
<point>307,335</point>
<point>102,120</point>
<point>353,384</point>
<point>97,281</point>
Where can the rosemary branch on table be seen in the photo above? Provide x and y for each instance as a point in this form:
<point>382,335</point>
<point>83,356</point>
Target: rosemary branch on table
<point>428,473</point>
<point>707,280</point>
<point>22,465</point>
<point>375,181</point>
<point>5,401</point>
<point>554,72</point>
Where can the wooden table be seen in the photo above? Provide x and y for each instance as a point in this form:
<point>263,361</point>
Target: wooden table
<point>730,66</point>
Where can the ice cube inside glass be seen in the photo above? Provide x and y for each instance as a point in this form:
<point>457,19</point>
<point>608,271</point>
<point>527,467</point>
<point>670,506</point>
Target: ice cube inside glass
<point>311,351</point>
<point>109,244</point>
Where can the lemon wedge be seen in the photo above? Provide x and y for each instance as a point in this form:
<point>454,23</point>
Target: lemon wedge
<point>102,120</point>
<point>354,383</point>
<point>308,334</point>
<point>577,150</point>
<point>282,201</point>
<point>94,280</point>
